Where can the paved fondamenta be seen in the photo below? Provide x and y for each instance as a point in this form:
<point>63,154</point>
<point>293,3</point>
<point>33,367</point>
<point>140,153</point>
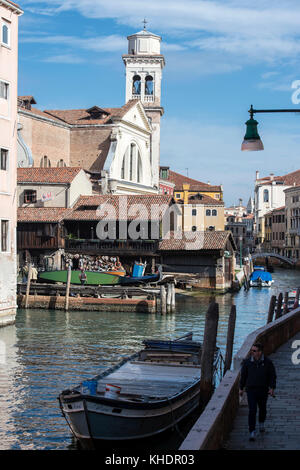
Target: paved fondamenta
<point>283,412</point>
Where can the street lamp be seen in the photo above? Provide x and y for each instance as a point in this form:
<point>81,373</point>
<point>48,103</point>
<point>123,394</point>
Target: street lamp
<point>241,250</point>
<point>252,140</point>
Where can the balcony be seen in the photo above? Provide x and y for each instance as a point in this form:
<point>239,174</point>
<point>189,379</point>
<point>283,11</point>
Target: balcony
<point>112,247</point>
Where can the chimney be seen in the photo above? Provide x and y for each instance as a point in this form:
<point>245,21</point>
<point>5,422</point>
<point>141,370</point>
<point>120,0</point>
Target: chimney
<point>271,176</point>
<point>257,174</point>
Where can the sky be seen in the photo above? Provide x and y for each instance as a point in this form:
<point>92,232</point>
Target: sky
<point>221,57</point>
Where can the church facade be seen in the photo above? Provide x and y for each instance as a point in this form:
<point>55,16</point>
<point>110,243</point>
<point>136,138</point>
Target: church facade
<point>118,147</point>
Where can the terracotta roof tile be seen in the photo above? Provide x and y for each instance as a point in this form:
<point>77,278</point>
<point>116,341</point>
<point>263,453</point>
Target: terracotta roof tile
<point>47,175</point>
<point>41,214</point>
<point>204,199</point>
<point>195,185</point>
<point>208,240</point>
<point>87,207</point>
<point>82,116</point>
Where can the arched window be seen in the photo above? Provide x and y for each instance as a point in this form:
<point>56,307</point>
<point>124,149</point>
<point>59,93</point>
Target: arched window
<point>139,168</point>
<point>123,168</point>
<point>5,34</point>
<point>208,212</point>
<point>214,212</point>
<point>61,163</point>
<point>132,148</point>
<point>45,162</point>
<point>132,164</point>
<point>149,85</point>
<point>266,195</point>
<point>136,85</point>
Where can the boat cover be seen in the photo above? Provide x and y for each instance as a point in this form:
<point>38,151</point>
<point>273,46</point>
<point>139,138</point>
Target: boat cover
<point>263,275</point>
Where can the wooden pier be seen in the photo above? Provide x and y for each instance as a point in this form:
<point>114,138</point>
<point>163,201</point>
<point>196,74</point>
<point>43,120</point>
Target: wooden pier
<point>146,299</point>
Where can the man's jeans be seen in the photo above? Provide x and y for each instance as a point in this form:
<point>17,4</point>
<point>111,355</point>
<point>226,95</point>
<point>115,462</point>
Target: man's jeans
<point>257,397</point>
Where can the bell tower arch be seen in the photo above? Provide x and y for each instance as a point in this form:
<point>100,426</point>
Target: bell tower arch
<point>144,64</point>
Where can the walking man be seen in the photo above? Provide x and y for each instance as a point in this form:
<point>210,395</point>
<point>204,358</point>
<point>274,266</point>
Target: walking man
<point>258,376</point>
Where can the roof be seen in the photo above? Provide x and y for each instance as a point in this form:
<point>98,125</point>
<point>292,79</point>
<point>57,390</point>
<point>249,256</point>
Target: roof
<point>27,98</point>
<point>84,116</point>
<point>289,179</point>
<point>13,4</point>
<point>195,185</point>
<point>202,199</point>
<point>41,214</point>
<point>62,175</point>
<point>123,207</point>
<point>208,240</point>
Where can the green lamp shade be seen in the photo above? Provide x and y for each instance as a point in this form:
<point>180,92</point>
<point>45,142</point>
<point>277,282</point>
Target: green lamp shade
<point>252,140</point>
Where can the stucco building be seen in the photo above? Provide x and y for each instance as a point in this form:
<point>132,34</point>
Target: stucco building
<point>9,14</point>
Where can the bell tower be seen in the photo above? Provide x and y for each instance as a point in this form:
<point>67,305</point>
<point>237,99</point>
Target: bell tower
<point>144,64</point>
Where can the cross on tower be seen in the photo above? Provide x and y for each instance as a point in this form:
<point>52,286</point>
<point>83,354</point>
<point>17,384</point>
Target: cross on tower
<point>145,22</point>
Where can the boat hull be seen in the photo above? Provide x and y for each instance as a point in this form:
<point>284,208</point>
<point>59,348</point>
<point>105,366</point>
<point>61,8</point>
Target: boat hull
<point>90,421</point>
<point>93,277</point>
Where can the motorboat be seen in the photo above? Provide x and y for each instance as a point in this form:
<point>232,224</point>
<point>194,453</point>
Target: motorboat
<point>260,277</point>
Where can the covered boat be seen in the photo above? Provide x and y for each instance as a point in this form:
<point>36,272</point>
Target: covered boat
<point>140,397</point>
<point>261,278</point>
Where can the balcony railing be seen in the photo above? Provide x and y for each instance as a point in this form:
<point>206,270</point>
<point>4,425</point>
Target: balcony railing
<point>112,246</point>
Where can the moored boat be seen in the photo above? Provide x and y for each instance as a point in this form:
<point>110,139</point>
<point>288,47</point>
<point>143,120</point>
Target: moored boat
<point>142,396</point>
<point>260,277</point>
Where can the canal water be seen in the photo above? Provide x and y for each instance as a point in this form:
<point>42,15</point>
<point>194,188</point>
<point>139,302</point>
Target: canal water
<point>48,351</point>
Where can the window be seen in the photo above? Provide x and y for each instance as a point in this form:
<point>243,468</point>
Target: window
<point>61,163</point>
<point>45,162</point>
<point>214,212</point>
<point>29,196</point>
<point>132,146</point>
<point>123,169</point>
<point>139,168</point>
<point>3,159</point>
<point>136,85</point>
<point>266,195</point>
<point>5,34</point>
<point>217,196</point>
<point>149,85</point>
<point>177,195</point>
<point>4,235</point>
<point>208,212</point>
<point>194,211</point>
<point>4,90</point>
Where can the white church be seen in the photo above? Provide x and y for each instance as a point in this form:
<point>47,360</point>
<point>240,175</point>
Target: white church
<point>118,147</point>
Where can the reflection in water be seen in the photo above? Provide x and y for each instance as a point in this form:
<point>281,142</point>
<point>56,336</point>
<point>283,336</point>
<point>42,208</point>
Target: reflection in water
<point>49,351</point>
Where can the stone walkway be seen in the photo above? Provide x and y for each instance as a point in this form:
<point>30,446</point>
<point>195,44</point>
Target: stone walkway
<point>283,412</point>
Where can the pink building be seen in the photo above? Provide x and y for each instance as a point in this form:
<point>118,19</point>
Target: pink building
<point>9,13</point>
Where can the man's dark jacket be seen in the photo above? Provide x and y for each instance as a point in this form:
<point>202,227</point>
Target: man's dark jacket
<point>258,375</point>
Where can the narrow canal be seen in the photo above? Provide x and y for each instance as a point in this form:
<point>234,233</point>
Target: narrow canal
<point>47,351</point>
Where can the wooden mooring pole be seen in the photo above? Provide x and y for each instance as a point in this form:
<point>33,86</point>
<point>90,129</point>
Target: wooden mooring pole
<point>208,353</point>
<point>296,303</point>
<point>271,308</point>
<point>230,338</point>
<point>173,297</point>
<point>169,297</point>
<point>285,303</point>
<point>163,300</point>
<point>68,289</point>
<point>28,285</point>
<point>279,306</point>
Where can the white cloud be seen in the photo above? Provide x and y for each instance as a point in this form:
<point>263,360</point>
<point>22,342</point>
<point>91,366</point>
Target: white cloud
<point>99,43</point>
<point>260,31</point>
<point>64,59</point>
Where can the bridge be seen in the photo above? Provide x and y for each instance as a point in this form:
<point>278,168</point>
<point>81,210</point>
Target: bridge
<point>290,261</point>
<point>224,425</point>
